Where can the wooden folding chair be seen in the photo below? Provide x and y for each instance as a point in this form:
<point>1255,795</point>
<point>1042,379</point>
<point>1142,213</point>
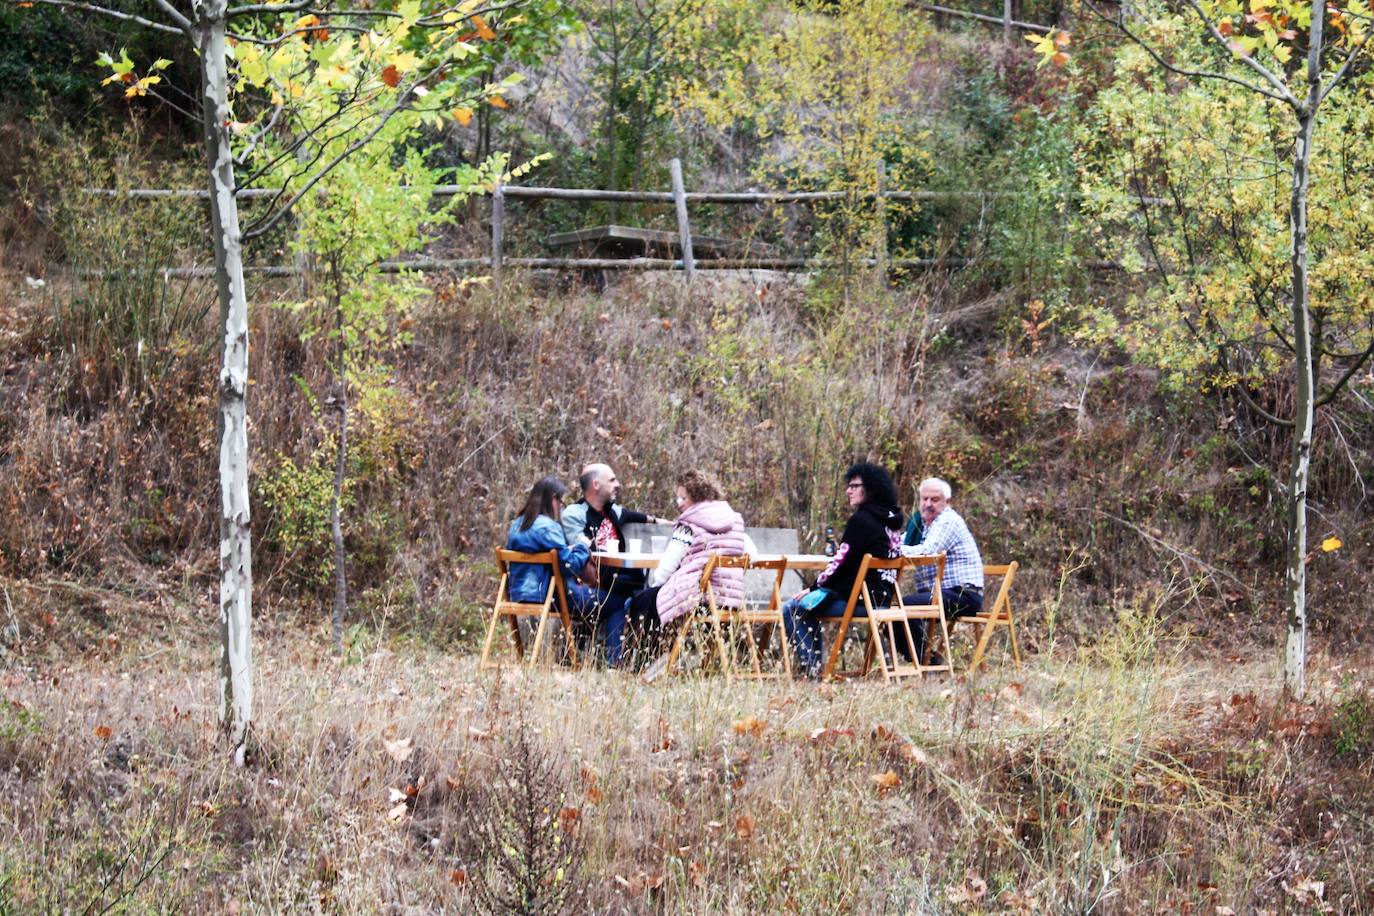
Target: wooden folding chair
<point>899,614</point>
<point>743,618</point>
<point>555,597</point>
<point>841,631</point>
<point>998,615</point>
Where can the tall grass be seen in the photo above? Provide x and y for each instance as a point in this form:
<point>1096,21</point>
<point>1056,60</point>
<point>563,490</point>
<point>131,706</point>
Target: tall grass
<point>1117,780</point>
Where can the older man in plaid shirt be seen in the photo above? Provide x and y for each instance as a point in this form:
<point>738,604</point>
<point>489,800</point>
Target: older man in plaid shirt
<point>946,532</point>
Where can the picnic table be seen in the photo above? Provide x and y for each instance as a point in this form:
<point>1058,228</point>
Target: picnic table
<point>645,560</point>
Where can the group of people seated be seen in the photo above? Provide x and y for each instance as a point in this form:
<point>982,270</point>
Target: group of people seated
<point>627,611</point>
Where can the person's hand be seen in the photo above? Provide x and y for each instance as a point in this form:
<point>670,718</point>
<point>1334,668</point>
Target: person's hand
<point>909,550</point>
<point>800,593</point>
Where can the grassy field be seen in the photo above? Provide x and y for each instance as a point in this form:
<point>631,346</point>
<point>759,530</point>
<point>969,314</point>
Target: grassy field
<point>1139,775</point>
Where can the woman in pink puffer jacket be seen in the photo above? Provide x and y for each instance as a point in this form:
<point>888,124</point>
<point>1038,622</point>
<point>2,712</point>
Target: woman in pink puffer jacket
<point>707,525</point>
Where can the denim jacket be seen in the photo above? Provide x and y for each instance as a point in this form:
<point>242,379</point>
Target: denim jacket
<point>528,581</point>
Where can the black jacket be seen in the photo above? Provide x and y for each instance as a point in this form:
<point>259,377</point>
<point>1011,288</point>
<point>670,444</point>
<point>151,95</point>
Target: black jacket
<point>872,529</point>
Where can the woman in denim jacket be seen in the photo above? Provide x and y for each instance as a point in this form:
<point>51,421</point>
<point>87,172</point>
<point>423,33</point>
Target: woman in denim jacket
<point>537,529</point>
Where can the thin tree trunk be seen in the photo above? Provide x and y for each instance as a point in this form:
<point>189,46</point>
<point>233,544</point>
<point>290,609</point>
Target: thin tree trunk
<point>1295,653</point>
<point>340,466</point>
<point>235,552</point>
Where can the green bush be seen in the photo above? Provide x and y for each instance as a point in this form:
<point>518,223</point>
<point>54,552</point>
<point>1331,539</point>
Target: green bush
<point>1352,725</point>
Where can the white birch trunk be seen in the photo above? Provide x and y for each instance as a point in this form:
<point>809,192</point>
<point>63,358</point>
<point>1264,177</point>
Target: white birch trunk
<point>1295,650</point>
<point>235,551</point>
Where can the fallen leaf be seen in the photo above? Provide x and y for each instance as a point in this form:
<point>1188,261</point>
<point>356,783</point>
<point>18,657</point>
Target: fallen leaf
<point>913,754</point>
<point>399,750</point>
<point>569,819</point>
<point>103,731</point>
<point>972,890</point>
<point>750,725</point>
<point>395,795</point>
<point>603,432</point>
<point>396,813</point>
<point>827,735</point>
<point>458,876</point>
<point>744,826</point>
<point>885,782</point>
<point>1331,544</point>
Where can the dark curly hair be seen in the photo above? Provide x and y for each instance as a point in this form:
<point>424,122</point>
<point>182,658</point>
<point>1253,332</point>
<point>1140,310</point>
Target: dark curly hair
<point>878,485</point>
<point>701,487</point>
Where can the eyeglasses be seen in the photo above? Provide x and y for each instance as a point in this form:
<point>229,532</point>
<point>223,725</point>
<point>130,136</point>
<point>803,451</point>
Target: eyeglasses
<point>856,485</point>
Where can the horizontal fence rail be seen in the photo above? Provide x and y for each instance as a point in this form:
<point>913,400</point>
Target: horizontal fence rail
<point>644,197</point>
<point>1005,21</point>
<point>424,265</point>
<point>497,261</point>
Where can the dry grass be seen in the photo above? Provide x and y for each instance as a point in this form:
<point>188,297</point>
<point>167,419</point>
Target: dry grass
<point>1134,777</point>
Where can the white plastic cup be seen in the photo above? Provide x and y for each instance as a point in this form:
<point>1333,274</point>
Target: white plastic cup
<point>611,546</point>
<point>658,543</point>
<point>635,545</point>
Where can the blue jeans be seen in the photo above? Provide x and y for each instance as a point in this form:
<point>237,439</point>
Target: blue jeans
<point>804,630</point>
<point>614,607</point>
<point>959,602</point>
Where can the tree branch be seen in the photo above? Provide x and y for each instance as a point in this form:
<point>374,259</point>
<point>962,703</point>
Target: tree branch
<point>1250,402</point>
<point>1349,374</point>
<point>175,15</point>
<point>1286,97</point>
<point>295,6</point>
<point>265,225</point>
<point>1278,84</point>
<point>106,11</point>
<point>1345,67</point>
<point>273,42</point>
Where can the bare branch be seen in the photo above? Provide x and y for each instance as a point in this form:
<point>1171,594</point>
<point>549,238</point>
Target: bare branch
<point>295,6</point>
<point>1250,402</point>
<point>1349,374</point>
<point>106,11</point>
<point>175,15</point>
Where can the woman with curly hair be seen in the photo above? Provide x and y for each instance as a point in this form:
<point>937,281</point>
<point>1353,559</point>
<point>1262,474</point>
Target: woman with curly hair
<point>705,526</point>
<point>875,527</point>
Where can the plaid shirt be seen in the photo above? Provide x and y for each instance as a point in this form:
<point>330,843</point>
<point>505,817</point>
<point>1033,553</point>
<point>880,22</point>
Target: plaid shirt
<point>949,535</point>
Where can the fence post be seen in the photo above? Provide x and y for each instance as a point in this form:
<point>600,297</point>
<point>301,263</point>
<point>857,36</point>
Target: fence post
<point>684,229</point>
<point>1006,22</point>
<point>498,229</point>
<point>881,253</point>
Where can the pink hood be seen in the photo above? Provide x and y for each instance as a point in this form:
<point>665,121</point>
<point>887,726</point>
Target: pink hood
<point>715,517</point>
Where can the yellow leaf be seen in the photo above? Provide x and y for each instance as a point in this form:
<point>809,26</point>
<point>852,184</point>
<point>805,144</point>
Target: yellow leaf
<point>463,116</point>
<point>498,102</point>
<point>1331,544</point>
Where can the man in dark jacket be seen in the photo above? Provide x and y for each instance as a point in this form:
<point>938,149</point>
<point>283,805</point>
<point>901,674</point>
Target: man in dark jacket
<point>874,528</point>
<point>596,520</point>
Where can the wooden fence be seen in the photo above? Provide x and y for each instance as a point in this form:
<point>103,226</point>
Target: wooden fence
<point>679,197</point>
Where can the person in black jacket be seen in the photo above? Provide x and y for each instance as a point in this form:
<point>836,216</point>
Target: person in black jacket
<point>874,528</point>
<point>596,520</point>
